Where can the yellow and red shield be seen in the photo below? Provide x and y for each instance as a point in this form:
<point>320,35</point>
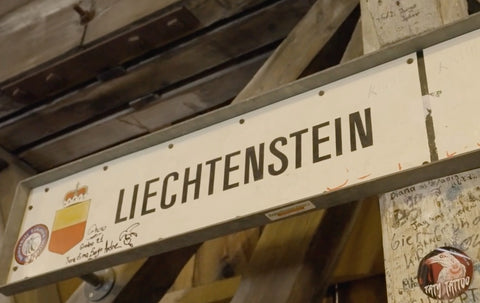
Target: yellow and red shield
<point>69,227</point>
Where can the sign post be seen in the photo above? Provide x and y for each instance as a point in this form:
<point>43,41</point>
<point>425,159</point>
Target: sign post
<point>217,174</point>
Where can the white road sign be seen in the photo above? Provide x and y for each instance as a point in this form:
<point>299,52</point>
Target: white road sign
<point>339,140</point>
<point>346,132</point>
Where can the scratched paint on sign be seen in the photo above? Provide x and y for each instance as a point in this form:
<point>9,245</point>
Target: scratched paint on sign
<point>452,73</point>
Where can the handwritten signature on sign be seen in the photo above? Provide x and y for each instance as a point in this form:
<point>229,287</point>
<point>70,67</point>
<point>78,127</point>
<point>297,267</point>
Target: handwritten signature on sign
<point>127,236</point>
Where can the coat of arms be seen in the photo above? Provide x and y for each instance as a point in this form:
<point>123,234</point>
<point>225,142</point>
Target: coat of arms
<point>69,224</point>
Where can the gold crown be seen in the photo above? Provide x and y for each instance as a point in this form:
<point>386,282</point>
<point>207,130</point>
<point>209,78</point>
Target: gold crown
<point>75,196</point>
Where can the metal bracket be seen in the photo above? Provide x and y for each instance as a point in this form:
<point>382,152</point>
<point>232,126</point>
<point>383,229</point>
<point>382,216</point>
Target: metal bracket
<point>98,285</point>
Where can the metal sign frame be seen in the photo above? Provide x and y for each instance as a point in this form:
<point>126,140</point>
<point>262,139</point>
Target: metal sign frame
<point>403,178</point>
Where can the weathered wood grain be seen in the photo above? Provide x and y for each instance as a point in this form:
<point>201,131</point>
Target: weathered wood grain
<point>277,277</point>
<point>224,257</point>
<point>10,5</point>
<point>115,14</point>
<point>138,29</point>
<point>363,253</point>
<point>156,276</point>
<point>208,51</point>
<point>386,22</point>
<point>36,33</point>
<point>123,274</point>
<point>301,45</point>
<point>219,252</point>
<point>181,103</point>
<point>9,178</point>
<point>216,292</point>
<point>278,259</point>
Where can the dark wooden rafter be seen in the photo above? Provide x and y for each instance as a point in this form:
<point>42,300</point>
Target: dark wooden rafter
<point>155,277</point>
<point>214,48</point>
<point>72,53</point>
<point>191,99</point>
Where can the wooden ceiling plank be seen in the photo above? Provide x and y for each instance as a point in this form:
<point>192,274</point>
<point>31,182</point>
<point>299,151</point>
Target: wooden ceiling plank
<point>116,14</point>
<point>32,34</point>
<point>185,101</point>
<point>41,30</point>
<point>10,5</point>
<point>214,48</point>
<point>165,22</point>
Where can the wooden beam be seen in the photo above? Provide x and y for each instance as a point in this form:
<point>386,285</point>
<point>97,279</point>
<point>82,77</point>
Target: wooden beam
<point>295,264</point>
<point>387,22</point>
<point>156,276</point>
<point>37,32</point>
<point>123,274</point>
<point>9,178</point>
<point>166,23</point>
<point>272,278</point>
<point>216,255</point>
<point>216,292</point>
<point>188,100</point>
<point>364,290</point>
<point>300,46</point>
<point>363,253</point>
<point>115,15</point>
<point>278,259</point>
<point>187,60</point>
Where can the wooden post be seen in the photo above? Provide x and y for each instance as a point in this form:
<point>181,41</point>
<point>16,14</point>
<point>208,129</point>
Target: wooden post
<point>416,220</point>
<point>9,178</point>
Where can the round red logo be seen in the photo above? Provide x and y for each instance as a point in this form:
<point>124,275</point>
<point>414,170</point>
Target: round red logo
<point>31,244</point>
<point>445,273</point>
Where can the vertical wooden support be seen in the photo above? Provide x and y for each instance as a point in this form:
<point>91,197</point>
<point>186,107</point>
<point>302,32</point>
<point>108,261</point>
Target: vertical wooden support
<point>415,219</point>
<point>9,177</point>
<point>280,263</point>
<point>388,21</point>
<point>223,257</point>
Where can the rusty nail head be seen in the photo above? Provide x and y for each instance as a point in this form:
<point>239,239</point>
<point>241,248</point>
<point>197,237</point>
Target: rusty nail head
<point>19,93</point>
<point>85,16</point>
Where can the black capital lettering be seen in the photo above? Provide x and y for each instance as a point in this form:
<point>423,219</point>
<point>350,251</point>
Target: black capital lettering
<point>316,141</point>
<point>298,146</point>
<point>118,219</point>
<point>228,169</point>
<point>147,195</point>
<point>280,155</point>
<point>338,136</point>
<point>365,134</point>
<point>195,182</point>
<point>173,198</point>
<point>256,163</point>
<point>211,182</point>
